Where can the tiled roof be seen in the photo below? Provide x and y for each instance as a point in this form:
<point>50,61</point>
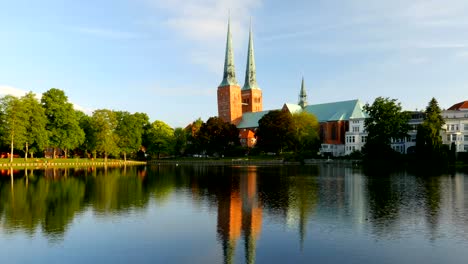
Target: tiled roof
<point>462,106</point>
<point>336,111</point>
<point>250,120</point>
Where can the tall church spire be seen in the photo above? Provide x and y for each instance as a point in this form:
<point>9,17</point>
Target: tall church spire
<point>303,95</point>
<point>250,73</point>
<point>229,75</point>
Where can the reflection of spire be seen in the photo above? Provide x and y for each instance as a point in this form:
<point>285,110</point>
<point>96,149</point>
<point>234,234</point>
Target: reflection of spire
<point>238,212</point>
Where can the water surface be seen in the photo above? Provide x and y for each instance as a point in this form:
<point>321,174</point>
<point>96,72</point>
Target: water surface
<point>211,214</point>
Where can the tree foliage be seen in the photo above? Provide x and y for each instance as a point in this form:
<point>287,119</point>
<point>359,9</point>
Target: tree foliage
<point>36,133</point>
<point>13,122</point>
<point>130,129</point>
<point>428,139</point>
<point>160,139</point>
<point>218,137</point>
<point>306,132</point>
<point>386,121</point>
<point>104,124</point>
<point>275,131</point>
<point>62,121</point>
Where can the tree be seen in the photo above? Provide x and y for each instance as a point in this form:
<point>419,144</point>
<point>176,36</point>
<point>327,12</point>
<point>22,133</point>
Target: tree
<point>160,137</point>
<point>104,123</point>
<point>306,132</point>
<point>130,129</point>
<point>62,121</point>
<point>36,133</point>
<point>275,131</point>
<point>428,138</point>
<point>386,121</point>
<point>193,144</point>
<point>89,143</point>
<point>13,121</point>
<point>180,141</point>
<point>217,136</point>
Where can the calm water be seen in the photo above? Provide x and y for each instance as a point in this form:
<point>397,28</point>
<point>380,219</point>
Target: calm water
<point>197,214</point>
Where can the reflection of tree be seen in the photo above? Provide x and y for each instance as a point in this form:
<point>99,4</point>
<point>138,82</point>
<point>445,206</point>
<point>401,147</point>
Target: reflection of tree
<point>432,195</point>
<point>50,199</point>
<point>384,202</point>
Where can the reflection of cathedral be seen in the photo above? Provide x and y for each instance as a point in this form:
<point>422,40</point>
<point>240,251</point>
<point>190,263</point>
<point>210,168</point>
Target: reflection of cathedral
<point>239,214</point>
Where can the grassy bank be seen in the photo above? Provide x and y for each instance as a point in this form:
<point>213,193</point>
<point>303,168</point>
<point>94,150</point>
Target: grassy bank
<point>74,162</point>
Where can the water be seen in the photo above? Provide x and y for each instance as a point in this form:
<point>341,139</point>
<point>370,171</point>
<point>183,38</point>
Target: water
<point>209,214</point>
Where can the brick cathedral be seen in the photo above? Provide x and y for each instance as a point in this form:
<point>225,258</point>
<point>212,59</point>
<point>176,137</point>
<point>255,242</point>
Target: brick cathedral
<point>232,100</point>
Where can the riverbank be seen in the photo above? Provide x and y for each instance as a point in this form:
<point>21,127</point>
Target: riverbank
<point>45,163</point>
<point>244,161</point>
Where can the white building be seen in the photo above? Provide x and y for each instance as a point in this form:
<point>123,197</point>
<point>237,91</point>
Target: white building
<point>455,130</point>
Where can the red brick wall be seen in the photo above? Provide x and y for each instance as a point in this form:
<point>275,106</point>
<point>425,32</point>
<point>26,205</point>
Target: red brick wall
<point>229,104</point>
<point>333,132</point>
<point>252,101</point>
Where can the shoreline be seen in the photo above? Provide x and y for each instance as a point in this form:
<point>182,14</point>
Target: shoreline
<point>70,164</point>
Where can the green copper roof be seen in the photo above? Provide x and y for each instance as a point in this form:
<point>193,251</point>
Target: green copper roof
<point>303,95</point>
<point>337,111</point>
<point>250,73</point>
<point>229,75</point>
<point>250,120</point>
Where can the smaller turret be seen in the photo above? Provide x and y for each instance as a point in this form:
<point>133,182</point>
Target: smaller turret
<point>302,95</point>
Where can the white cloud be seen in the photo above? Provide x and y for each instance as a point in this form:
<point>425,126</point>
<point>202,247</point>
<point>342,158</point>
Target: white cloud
<point>10,90</point>
<point>204,23</point>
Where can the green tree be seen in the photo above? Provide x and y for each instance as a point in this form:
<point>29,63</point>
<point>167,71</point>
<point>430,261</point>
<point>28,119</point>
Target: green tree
<point>428,138</point>
<point>180,141</point>
<point>386,121</point>
<point>130,130</point>
<point>193,144</point>
<point>36,133</point>
<point>104,124</point>
<point>62,121</point>
<point>13,122</point>
<point>275,131</point>
<point>89,143</point>
<point>160,137</point>
<point>217,136</point>
<point>306,132</point>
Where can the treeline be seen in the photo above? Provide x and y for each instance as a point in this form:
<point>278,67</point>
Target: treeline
<point>51,125</point>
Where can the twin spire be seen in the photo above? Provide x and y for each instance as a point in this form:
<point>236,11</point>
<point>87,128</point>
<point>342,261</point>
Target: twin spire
<point>229,75</point>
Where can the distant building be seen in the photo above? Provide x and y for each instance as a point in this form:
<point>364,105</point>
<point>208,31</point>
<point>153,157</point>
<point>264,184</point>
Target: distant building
<point>455,130</point>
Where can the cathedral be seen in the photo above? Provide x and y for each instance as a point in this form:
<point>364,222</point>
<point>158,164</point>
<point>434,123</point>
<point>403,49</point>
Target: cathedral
<point>232,100</point>
<point>341,123</point>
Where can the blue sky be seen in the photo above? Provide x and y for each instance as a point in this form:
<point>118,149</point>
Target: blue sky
<point>165,58</point>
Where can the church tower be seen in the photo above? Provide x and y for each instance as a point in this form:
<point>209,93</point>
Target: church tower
<point>252,100</point>
<point>302,95</point>
<point>229,92</point>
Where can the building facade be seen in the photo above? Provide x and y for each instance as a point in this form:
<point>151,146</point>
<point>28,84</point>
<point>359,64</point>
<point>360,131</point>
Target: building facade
<point>455,131</point>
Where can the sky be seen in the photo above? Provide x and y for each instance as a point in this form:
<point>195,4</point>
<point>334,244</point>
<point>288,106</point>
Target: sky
<point>165,57</point>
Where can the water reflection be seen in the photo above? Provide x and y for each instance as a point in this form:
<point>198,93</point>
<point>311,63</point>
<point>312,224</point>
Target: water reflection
<point>246,204</point>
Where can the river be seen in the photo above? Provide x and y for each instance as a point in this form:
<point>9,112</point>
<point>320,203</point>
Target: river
<point>226,214</point>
